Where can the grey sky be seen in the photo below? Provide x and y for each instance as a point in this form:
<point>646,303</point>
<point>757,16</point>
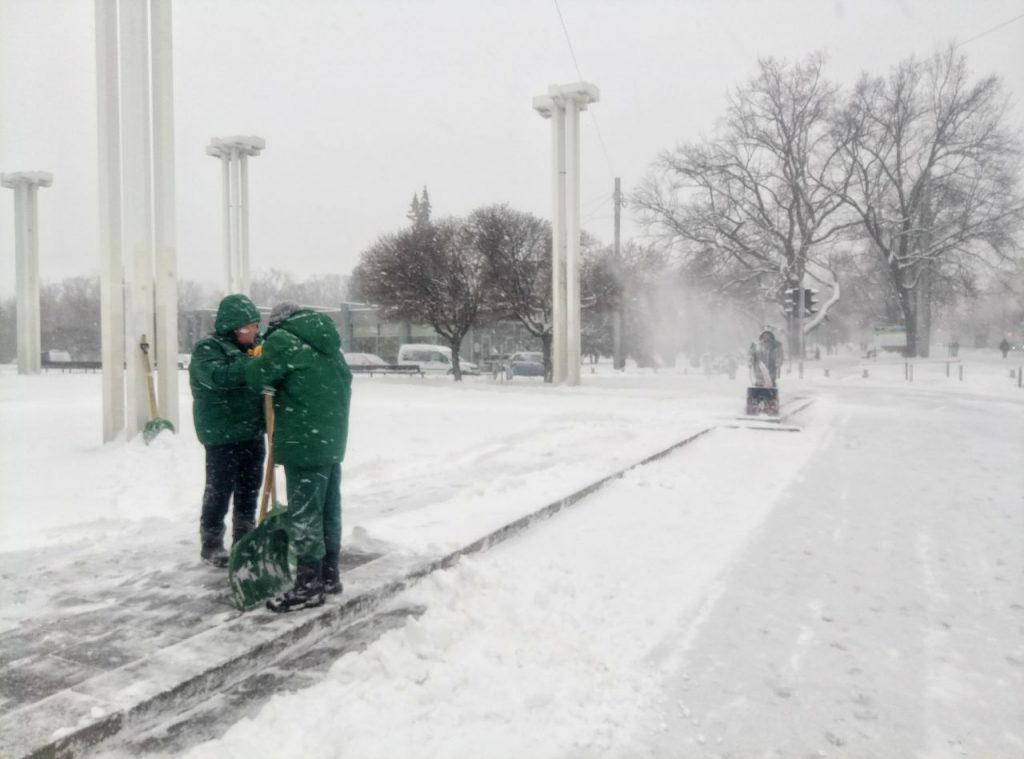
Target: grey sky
<point>362,103</point>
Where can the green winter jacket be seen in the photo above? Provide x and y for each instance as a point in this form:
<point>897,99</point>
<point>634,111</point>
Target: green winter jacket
<point>302,361</point>
<point>224,409</point>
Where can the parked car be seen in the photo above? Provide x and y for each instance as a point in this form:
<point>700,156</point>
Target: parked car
<point>364,360</point>
<point>56,357</point>
<point>371,363</point>
<point>432,359</point>
<point>525,364</point>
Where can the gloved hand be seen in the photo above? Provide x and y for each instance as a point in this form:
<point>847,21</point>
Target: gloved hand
<point>255,350</point>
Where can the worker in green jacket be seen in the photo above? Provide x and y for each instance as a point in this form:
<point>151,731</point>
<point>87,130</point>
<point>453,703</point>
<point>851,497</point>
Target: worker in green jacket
<point>229,423</point>
<point>301,363</point>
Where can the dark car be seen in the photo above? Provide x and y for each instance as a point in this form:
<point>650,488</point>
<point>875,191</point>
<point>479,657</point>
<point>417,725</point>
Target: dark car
<point>525,365</point>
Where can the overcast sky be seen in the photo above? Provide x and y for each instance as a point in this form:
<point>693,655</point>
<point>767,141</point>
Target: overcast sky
<point>362,103</point>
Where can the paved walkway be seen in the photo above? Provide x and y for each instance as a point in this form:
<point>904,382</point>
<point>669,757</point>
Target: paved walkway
<point>129,632</point>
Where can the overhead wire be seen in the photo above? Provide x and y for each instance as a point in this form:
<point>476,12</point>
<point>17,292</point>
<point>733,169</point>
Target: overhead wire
<point>989,31</point>
<point>579,73</point>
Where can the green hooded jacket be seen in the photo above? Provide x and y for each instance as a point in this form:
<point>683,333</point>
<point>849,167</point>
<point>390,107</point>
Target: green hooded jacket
<point>224,409</point>
<point>302,361</point>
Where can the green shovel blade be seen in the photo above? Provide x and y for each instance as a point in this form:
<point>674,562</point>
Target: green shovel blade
<point>154,427</point>
<point>261,563</point>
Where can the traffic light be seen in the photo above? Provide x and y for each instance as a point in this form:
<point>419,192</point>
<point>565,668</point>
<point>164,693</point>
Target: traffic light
<point>789,301</point>
<point>810,302</point>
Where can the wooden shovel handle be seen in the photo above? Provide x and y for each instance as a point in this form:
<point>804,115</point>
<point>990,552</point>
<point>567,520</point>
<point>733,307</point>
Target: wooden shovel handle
<point>149,378</point>
<point>269,486</point>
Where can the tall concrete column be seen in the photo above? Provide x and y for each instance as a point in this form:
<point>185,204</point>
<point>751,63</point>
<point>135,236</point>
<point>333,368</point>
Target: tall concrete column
<point>234,153</point>
<point>26,250</point>
<point>562,105</point>
<point>136,169</point>
<point>164,215</point>
<point>111,256</point>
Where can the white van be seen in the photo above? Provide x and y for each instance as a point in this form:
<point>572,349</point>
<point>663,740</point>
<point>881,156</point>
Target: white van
<point>432,359</point>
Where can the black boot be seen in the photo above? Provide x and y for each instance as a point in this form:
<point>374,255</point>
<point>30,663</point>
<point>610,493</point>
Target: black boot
<point>214,555</point>
<point>307,593</point>
<point>329,574</point>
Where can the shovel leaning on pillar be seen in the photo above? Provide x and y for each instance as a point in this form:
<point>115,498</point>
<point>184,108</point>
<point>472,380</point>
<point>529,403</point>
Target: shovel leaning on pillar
<point>261,562</point>
<point>156,424</point>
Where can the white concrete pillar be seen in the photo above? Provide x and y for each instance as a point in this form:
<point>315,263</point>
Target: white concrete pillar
<point>234,153</point>
<point>245,276</point>
<point>562,105</point>
<point>135,96</point>
<point>229,266</point>
<point>573,355</point>
<point>558,227</point>
<point>111,258</point>
<point>164,218</point>
<point>26,251</point>
<point>137,201</point>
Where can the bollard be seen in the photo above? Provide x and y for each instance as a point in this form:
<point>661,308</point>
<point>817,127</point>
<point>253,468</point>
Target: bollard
<point>947,368</point>
<point>800,369</point>
<point>1020,375</point>
<point>911,372</point>
<point>906,370</point>
<point>961,372</point>
<point>865,375</point>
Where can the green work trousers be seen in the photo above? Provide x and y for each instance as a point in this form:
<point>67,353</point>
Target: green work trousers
<point>314,511</point>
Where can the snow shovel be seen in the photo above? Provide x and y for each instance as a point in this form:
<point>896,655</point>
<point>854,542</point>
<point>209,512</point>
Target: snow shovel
<point>762,400</point>
<point>156,424</point>
<point>261,563</point>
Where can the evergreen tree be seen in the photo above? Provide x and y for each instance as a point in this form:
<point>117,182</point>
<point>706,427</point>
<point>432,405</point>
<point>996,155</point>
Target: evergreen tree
<point>414,210</point>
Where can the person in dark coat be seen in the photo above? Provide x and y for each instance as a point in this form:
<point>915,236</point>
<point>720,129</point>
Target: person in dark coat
<point>229,423</point>
<point>302,364</point>
<point>1004,346</point>
<point>766,357</point>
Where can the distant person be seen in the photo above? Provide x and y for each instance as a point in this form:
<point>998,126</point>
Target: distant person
<point>1004,346</point>
<point>302,363</point>
<point>229,423</point>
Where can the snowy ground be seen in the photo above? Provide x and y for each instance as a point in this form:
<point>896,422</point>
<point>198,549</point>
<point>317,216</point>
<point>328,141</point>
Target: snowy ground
<point>851,590</point>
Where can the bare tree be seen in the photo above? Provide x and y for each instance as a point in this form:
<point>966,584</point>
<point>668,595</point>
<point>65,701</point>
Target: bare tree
<point>759,201</point>
<point>933,178</point>
<point>431,273</point>
<point>517,249</point>
<point>70,317</point>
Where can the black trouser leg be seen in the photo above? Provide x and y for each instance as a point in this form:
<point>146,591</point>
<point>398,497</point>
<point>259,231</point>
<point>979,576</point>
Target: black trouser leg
<point>220,477</point>
<point>248,477</point>
<point>231,468</point>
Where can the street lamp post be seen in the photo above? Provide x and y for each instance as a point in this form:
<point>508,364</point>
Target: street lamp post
<point>562,104</point>
<point>26,241</point>
<point>234,154</point>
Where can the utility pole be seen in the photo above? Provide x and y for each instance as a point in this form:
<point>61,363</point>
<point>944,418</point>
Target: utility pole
<point>618,355</point>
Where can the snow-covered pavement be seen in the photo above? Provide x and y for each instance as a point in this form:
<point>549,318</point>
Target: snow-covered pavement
<point>854,589</point>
